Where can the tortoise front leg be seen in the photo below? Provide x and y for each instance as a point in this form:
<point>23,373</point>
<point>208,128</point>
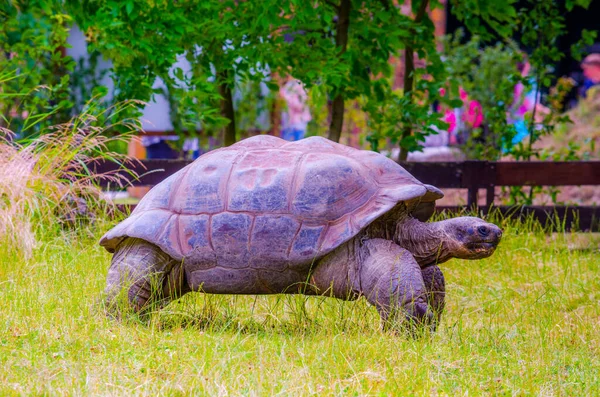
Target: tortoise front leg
<point>150,277</point>
<point>391,280</point>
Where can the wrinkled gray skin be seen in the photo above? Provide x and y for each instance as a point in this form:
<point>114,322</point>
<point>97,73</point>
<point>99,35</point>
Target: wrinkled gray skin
<point>393,263</point>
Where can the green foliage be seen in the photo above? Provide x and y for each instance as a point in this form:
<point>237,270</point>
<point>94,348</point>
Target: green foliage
<point>225,42</point>
<point>405,117</point>
<point>587,38</point>
<point>234,45</point>
<point>538,26</point>
<point>252,108</point>
<point>86,80</point>
<point>35,77</point>
<point>541,25</point>
<point>488,74</point>
<point>487,19</point>
<point>378,31</point>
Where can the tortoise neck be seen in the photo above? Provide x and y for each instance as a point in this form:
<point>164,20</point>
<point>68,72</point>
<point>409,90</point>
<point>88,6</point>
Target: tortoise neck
<point>428,242</point>
<point>385,226</point>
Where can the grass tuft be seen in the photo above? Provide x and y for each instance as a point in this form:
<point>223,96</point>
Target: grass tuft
<point>50,179</point>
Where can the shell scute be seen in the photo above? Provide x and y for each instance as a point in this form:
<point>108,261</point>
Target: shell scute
<point>169,237</point>
<point>159,196</point>
<point>337,234</point>
<point>330,186</point>
<point>202,187</point>
<point>259,142</point>
<point>147,225</point>
<point>230,233</point>
<point>261,181</point>
<point>271,237</point>
<point>306,243</point>
<point>195,234</point>
<point>317,144</point>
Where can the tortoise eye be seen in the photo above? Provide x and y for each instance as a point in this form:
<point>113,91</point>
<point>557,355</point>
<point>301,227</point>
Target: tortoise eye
<point>483,231</point>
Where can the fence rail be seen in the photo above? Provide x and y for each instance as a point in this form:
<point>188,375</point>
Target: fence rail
<point>470,175</point>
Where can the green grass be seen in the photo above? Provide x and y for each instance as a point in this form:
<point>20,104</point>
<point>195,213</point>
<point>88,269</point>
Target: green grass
<point>523,322</point>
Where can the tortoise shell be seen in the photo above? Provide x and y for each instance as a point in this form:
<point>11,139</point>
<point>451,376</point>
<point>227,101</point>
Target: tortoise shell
<point>266,200</point>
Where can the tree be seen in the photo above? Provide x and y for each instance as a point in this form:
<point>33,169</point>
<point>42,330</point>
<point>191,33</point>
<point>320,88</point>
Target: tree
<point>339,47</point>
<point>33,70</point>
<point>224,41</point>
<point>350,44</point>
<point>343,46</point>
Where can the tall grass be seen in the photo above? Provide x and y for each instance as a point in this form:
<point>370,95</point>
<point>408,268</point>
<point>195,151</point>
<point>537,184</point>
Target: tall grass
<point>49,179</point>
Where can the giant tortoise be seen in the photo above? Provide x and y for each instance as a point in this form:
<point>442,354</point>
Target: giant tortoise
<point>267,216</point>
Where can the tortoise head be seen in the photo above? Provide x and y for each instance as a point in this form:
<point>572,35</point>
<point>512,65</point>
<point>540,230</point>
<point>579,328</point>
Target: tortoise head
<point>471,238</point>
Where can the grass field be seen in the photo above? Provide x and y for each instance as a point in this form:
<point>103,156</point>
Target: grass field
<point>523,322</point>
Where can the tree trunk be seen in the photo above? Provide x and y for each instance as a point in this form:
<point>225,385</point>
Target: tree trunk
<point>337,118</point>
<point>341,41</point>
<point>227,109</point>
<point>276,108</point>
<point>409,78</point>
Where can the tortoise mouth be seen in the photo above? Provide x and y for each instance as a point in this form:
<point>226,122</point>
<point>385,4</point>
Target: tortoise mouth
<point>482,246</point>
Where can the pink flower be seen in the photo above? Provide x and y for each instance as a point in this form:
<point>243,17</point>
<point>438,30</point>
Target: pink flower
<point>442,91</point>
<point>462,94</point>
<point>474,114</point>
<point>524,108</point>
<point>450,118</point>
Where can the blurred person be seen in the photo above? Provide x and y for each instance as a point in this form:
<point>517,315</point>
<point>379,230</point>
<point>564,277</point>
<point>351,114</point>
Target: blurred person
<point>591,72</point>
<point>295,119</point>
<point>525,102</point>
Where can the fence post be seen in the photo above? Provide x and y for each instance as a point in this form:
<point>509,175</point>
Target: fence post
<point>490,180</point>
<point>472,196</point>
<point>479,174</point>
<point>470,176</point>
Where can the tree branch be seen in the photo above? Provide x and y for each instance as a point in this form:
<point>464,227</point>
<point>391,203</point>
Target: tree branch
<point>385,4</point>
<point>421,11</point>
<point>331,3</point>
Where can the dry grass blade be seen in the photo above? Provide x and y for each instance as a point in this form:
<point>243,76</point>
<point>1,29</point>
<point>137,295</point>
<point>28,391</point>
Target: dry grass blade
<point>49,179</point>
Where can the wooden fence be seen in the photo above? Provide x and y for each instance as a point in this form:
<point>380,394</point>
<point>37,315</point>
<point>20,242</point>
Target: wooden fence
<point>470,175</point>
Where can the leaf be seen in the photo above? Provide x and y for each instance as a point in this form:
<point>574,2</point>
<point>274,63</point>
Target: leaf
<point>178,72</point>
<point>272,85</point>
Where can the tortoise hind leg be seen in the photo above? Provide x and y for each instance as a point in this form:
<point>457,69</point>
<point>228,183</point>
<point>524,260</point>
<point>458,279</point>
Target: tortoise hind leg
<point>150,277</point>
